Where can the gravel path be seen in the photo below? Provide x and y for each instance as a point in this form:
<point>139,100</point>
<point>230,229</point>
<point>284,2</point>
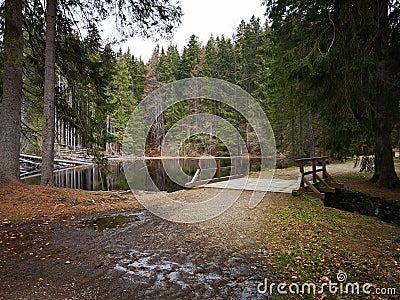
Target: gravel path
<point>133,254</point>
<point>136,255</point>
<point>333,169</point>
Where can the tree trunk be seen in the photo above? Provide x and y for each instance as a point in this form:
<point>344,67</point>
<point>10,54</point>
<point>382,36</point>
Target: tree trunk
<point>10,126</point>
<point>49,95</point>
<point>385,173</point>
<point>312,136</point>
<point>292,138</point>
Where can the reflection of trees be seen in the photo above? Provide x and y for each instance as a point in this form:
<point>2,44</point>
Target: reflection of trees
<point>92,178</point>
<point>113,177</point>
<point>157,173</point>
<point>160,176</point>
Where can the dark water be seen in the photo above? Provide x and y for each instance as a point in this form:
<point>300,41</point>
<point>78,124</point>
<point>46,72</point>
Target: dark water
<point>96,178</point>
<point>110,222</point>
<point>385,209</point>
<point>91,178</point>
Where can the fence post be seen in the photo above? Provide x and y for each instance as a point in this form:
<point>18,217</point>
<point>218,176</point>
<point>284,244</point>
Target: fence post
<point>324,176</point>
<point>301,165</point>
<point>314,170</point>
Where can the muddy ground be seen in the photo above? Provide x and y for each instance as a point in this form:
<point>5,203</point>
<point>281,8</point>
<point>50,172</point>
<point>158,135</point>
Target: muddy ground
<point>62,244</point>
<point>133,254</point>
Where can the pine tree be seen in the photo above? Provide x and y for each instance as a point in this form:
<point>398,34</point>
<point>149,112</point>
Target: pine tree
<point>210,59</point>
<point>155,110</point>
<point>169,71</point>
<point>49,95</point>
<point>143,17</point>
<point>122,94</point>
<point>343,56</point>
<point>10,129</point>
<point>248,42</point>
<point>190,60</point>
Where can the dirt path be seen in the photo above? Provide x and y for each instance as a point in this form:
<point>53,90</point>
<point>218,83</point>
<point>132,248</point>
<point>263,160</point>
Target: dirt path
<point>333,169</point>
<point>59,245</point>
<point>144,257</point>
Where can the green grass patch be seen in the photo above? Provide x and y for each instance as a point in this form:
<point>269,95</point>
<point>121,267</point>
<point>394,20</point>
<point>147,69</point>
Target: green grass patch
<point>359,175</point>
<point>312,243</point>
<point>14,222</point>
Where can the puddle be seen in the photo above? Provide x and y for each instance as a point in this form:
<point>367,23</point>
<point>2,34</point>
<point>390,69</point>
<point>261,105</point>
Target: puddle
<point>112,222</point>
<point>206,279</point>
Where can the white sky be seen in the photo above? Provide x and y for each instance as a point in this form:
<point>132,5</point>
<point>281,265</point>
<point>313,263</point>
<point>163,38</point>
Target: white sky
<point>202,18</point>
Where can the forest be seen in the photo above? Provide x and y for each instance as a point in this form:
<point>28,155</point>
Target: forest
<point>326,74</point>
<point>90,222</point>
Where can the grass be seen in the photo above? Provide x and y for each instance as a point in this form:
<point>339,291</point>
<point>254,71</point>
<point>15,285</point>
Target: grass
<point>14,221</point>
<point>312,243</point>
<point>359,175</point>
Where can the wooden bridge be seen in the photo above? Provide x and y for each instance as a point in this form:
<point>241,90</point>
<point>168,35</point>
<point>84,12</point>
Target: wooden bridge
<point>308,182</point>
<point>211,170</point>
<point>257,184</point>
<point>316,185</point>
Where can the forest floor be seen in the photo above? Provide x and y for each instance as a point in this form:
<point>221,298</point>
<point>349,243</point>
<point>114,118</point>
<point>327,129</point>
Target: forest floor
<point>68,244</point>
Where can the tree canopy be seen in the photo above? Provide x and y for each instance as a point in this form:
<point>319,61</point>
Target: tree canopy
<point>340,58</point>
<point>325,72</point>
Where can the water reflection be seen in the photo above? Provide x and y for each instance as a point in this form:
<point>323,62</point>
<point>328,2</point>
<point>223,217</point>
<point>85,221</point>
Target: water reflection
<point>95,178</point>
<point>91,178</point>
<point>156,178</point>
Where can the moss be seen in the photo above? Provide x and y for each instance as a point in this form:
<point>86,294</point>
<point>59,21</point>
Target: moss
<point>15,222</point>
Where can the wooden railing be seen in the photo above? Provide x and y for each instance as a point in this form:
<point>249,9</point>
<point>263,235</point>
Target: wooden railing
<point>318,185</point>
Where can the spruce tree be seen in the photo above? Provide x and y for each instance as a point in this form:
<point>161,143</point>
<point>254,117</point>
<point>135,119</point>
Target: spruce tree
<point>10,126</point>
<point>343,57</point>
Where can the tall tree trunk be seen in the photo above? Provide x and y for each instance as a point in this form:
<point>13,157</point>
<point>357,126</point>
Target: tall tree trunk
<point>301,142</point>
<point>292,138</point>
<point>312,136</point>
<point>385,173</point>
<point>49,95</point>
<point>10,126</point>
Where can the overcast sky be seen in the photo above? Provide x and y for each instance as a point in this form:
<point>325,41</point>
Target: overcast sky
<point>202,18</point>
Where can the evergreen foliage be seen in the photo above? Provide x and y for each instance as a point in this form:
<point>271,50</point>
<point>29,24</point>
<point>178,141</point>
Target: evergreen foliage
<point>326,74</point>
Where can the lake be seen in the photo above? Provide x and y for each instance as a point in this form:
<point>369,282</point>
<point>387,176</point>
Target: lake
<point>97,178</point>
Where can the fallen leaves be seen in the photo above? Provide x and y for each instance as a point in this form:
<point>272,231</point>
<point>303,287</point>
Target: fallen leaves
<point>20,203</point>
<point>311,243</point>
